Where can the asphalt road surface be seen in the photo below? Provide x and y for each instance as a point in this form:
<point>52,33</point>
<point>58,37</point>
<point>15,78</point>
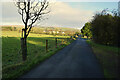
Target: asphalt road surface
<point>74,61</point>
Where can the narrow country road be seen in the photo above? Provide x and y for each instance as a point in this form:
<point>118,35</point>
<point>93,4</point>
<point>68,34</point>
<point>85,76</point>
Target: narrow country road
<point>74,61</point>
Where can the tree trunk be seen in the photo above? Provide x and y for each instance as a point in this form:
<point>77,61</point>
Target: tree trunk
<point>24,46</point>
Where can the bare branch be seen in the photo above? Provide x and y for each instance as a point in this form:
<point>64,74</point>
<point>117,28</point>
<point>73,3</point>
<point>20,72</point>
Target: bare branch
<point>30,27</point>
<point>23,17</point>
<point>36,5</point>
<point>31,11</point>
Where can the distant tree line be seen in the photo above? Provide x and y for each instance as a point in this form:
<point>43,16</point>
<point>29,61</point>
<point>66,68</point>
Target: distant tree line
<point>104,28</point>
<point>9,28</point>
<point>45,30</point>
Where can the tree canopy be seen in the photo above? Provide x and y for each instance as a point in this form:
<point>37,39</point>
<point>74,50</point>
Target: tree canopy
<point>86,30</point>
<point>104,28</point>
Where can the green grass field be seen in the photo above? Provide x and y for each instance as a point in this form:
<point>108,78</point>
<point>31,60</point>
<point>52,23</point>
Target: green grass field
<point>12,63</point>
<point>17,34</point>
<point>108,57</point>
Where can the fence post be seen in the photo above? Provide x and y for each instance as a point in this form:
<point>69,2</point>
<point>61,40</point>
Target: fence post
<point>71,38</point>
<point>56,42</point>
<point>46,45</point>
<point>62,41</point>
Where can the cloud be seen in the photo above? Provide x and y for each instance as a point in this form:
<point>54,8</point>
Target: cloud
<point>61,15</point>
<point>10,14</point>
<point>64,15</point>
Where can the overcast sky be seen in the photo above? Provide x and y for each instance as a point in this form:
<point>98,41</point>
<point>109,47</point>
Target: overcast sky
<point>63,14</point>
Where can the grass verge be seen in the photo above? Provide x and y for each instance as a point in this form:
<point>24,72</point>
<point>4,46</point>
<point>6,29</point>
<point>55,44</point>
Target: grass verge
<point>14,71</point>
<point>107,57</point>
<point>13,66</point>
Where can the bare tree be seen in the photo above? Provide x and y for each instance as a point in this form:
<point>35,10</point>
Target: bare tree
<point>30,11</point>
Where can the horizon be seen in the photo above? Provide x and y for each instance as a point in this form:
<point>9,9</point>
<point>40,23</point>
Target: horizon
<point>38,26</point>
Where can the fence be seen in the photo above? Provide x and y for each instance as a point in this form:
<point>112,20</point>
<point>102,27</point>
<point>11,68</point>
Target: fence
<point>58,42</point>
